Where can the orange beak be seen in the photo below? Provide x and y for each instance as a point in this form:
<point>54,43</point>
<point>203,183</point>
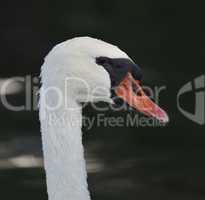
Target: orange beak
<point>138,99</point>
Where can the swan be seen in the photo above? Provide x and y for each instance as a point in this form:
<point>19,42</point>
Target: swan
<point>79,70</point>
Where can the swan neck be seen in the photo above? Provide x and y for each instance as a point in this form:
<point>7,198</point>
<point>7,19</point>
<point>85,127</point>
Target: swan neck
<point>64,154</point>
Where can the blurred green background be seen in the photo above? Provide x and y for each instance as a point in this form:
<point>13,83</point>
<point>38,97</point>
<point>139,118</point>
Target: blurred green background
<point>167,39</point>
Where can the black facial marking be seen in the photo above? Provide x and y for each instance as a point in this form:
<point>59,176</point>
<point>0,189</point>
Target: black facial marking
<point>118,69</point>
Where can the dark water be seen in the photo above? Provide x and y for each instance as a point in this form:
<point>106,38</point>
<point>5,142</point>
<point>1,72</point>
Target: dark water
<point>136,162</point>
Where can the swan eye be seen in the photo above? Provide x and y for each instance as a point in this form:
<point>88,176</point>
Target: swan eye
<point>118,68</point>
<point>104,61</point>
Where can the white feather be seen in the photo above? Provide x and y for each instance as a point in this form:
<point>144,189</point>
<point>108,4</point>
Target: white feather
<point>61,128</point>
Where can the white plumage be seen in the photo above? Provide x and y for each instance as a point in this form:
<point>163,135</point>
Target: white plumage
<point>70,75</point>
<point>62,141</point>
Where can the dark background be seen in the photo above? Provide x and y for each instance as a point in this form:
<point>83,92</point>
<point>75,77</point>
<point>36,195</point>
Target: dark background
<point>167,39</point>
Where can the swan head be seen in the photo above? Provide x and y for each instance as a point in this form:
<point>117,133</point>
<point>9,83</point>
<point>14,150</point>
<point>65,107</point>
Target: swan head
<point>88,69</point>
